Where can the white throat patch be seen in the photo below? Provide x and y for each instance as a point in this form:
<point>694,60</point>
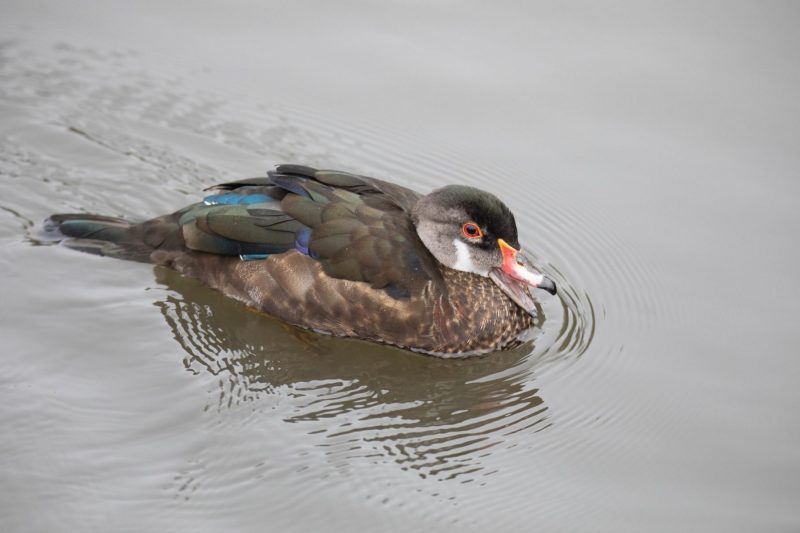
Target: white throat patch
<point>463,259</point>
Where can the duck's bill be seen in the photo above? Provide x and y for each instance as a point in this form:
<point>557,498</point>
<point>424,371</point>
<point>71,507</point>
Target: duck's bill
<point>513,289</point>
<point>515,267</point>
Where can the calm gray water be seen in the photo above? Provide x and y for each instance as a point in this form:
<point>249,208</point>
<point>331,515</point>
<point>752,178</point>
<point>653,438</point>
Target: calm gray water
<point>650,154</point>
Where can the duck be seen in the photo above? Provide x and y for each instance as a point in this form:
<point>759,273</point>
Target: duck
<point>343,254</point>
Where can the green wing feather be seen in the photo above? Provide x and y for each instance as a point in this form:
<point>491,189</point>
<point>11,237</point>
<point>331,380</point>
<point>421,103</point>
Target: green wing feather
<point>239,229</point>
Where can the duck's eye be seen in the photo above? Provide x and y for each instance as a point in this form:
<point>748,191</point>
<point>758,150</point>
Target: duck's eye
<point>472,230</point>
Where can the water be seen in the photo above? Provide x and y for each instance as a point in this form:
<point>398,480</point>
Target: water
<point>649,154</point>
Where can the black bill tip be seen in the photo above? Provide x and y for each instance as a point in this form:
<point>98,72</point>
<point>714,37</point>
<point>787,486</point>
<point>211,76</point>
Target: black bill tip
<point>548,285</point>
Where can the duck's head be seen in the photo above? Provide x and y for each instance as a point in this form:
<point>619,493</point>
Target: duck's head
<point>471,230</point>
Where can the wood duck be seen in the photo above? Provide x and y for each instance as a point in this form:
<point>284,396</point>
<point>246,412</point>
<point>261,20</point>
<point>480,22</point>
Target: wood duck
<point>346,255</point>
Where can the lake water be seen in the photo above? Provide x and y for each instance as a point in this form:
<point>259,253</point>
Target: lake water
<point>649,152</point>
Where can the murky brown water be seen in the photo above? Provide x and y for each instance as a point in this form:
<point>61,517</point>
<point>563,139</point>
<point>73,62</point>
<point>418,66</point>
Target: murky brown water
<point>649,154</point>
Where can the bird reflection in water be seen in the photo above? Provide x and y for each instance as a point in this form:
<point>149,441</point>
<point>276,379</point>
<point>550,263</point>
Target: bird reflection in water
<point>436,417</point>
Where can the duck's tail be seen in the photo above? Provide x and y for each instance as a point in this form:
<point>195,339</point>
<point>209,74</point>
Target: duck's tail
<point>97,234</point>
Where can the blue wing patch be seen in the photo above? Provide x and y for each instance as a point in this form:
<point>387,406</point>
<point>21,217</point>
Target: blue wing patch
<point>301,240</point>
<point>235,199</point>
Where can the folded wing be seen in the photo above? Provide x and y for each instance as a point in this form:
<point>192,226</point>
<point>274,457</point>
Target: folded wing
<point>358,228</point>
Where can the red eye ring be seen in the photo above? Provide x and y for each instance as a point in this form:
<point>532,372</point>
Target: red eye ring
<point>471,230</point>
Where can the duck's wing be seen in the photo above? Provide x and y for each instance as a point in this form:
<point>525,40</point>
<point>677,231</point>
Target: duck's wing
<point>358,228</point>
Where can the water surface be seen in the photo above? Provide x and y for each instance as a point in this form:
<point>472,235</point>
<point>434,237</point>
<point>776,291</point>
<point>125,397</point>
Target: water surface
<point>649,156</point>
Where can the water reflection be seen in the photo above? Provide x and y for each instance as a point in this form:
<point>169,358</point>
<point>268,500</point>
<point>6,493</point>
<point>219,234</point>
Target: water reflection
<point>436,417</point>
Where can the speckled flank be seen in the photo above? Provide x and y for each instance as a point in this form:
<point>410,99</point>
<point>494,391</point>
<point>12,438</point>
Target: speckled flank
<point>467,315</point>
